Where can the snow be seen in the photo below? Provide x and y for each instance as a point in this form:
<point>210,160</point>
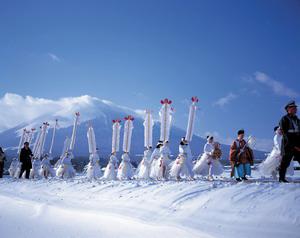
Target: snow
<point>200,208</point>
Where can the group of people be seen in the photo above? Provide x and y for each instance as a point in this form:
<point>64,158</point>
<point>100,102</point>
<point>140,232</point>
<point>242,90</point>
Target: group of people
<point>157,163</point>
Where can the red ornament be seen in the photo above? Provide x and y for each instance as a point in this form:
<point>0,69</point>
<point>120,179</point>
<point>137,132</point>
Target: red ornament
<point>195,99</point>
<point>129,117</point>
<point>165,101</point>
<point>116,120</point>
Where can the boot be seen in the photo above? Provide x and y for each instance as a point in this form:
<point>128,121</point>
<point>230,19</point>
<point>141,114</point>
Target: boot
<point>283,180</point>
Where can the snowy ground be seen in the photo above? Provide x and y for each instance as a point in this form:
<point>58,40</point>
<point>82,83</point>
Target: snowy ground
<point>200,208</point>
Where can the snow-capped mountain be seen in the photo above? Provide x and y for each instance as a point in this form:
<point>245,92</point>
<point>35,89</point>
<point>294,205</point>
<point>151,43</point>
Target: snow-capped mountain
<point>34,111</point>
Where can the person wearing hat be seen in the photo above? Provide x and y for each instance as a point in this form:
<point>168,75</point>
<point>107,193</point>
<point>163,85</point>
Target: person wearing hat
<point>154,159</point>
<point>2,159</point>
<point>183,165</point>
<point>290,147</point>
<point>161,166</point>
<point>25,159</point>
<point>241,157</point>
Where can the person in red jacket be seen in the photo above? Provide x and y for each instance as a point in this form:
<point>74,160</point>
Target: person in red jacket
<point>241,157</point>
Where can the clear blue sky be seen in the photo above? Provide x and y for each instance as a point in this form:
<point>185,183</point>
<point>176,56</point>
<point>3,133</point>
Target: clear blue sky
<point>135,53</point>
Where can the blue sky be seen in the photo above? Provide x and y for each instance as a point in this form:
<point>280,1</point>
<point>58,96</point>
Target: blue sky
<point>241,58</point>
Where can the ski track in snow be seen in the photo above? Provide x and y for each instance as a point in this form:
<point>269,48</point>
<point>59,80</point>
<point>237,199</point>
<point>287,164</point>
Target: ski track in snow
<point>82,208</point>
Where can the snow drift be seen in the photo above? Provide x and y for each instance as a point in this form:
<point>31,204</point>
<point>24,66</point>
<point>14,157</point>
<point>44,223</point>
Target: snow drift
<point>79,208</point>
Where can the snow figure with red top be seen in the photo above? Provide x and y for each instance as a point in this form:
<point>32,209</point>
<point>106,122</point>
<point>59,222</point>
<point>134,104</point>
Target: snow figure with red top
<point>93,169</point>
<point>143,170</point>
<point>125,170</point>
<point>165,114</point>
<point>183,165</point>
<point>65,168</point>
<point>46,167</point>
<point>161,166</point>
<point>112,166</point>
<point>38,152</point>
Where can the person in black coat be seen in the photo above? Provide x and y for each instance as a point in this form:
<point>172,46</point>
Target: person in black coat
<point>290,146</point>
<point>25,159</point>
<point>2,159</point>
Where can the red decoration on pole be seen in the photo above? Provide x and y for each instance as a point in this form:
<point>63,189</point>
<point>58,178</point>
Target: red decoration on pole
<point>165,101</point>
<point>129,117</point>
<point>116,120</point>
<point>195,99</point>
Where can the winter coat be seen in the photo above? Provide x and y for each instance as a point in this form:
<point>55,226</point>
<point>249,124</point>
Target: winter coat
<point>25,158</point>
<point>240,154</point>
<point>290,126</point>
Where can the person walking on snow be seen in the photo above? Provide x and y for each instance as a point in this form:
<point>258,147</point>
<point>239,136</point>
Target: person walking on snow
<point>241,157</point>
<point>290,147</point>
<point>25,159</point>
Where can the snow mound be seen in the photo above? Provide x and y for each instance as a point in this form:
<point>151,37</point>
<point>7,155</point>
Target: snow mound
<point>81,208</point>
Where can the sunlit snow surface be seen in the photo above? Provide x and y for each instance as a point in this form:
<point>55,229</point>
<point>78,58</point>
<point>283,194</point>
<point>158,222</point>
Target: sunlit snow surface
<point>200,208</point>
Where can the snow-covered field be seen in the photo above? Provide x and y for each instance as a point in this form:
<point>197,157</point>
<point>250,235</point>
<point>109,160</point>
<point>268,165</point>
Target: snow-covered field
<point>80,208</point>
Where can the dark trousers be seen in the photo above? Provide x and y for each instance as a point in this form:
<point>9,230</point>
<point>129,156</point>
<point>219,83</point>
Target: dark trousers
<point>27,172</point>
<point>286,161</point>
<point>1,168</point>
<point>297,156</point>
